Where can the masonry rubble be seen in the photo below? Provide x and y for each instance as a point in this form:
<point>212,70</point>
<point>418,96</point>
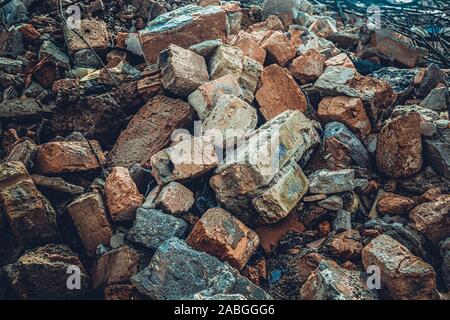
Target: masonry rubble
<point>221,150</point>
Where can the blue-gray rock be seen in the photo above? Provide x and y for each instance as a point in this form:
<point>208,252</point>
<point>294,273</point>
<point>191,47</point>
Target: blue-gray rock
<point>10,66</point>
<point>342,221</point>
<point>328,182</point>
<point>152,227</point>
<point>48,48</point>
<point>438,99</point>
<point>177,272</point>
<point>437,152</point>
<point>343,134</point>
<point>401,80</point>
<point>206,48</point>
<point>86,58</point>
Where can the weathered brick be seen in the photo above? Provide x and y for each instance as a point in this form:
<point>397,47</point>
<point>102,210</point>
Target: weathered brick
<point>222,235</point>
<point>149,131</point>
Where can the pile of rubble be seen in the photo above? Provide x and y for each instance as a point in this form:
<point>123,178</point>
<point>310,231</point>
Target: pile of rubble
<point>219,150</point>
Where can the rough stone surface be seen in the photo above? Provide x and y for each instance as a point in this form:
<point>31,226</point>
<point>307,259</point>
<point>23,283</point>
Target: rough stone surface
<point>176,272</point>
<point>403,275</point>
<point>436,151</point>
<point>279,92</point>
<point>432,218</point>
<point>149,131</point>
<point>226,60</point>
<point>175,198</point>
<point>122,195</point>
<point>331,282</point>
<point>399,148</point>
<point>324,181</point>
<point>391,203</point>
<point>30,215</point>
<point>183,27</point>
<point>95,33</point>
<point>230,121</point>
<point>152,227</point>
<point>278,48</point>
<point>115,266</point>
<point>184,161</point>
<point>69,156</point>
<point>42,274</point>
<point>277,200</point>
<point>224,236</point>
<point>23,151</point>
<point>249,47</point>
<point>183,71</point>
<point>307,67</point>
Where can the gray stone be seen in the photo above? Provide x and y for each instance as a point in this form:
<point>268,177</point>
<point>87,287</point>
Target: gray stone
<point>331,282</point>
<point>401,80</point>
<point>152,227</point>
<point>116,240</point>
<point>11,43</point>
<point>86,58</point>
<point>325,181</point>
<point>445,254</point>
<point>438,100</point>
<point>251,72</point>
<point>433,76</point>
<point>178,272</point>
<point>342,221</point>
<point>357,151</point>
<point>442,123</point>
<point>20,109</point>
<point>48,48</point>
<point>333,203</point>
<point>10,66</point>
<point>206,48</point>
<point>437,152</point>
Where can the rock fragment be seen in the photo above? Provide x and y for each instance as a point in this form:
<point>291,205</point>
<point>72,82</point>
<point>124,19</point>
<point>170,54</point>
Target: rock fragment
<point>391,203</point>
<point>399,147</point>
<point>224,236</point>
<point>30,215</point>
<point>149,131</point>
<point>115,266</point>
<point>184,161</point>
<point>89,216</point>
<point>43,274</point>
<point>279,92</point>
<point>206,96</point>
<point>403,275</point>
<point>69,156</point>
<point>152,227</point>
<point>183,71</point>
<point>278,48</point>
<point>122,195</point>
<point>331,282</point>
<point>226,60</point>
<point>307,67</point>
<point>176,272</point>
<point>175,198</point>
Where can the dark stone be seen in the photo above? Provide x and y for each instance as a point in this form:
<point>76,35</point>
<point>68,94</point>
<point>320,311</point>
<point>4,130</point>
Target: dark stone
<point>177,271</point>
<point>424,180</point>
<point>343,221</point>
<point>152,227</point>
<point>42,274</point>
<point>86,58</point>
<point>401,80</point>
<point>437,152</point>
